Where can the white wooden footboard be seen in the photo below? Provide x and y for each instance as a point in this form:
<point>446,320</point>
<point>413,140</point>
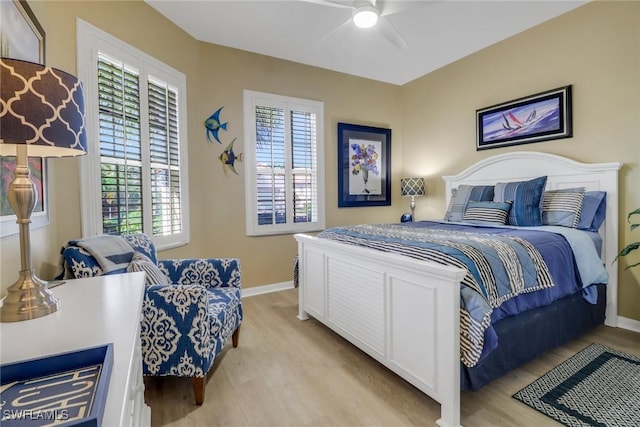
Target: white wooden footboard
<point>402,312</point>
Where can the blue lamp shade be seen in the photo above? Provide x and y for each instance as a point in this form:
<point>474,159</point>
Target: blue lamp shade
<point>40,107</point>
<point>41,115</point>
<point>412,186</point>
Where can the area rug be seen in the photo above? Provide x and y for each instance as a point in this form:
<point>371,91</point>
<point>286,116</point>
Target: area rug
<point>599,386</point>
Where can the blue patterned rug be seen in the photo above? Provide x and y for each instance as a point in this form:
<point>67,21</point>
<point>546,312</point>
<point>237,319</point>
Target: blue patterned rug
<point>598,386</point>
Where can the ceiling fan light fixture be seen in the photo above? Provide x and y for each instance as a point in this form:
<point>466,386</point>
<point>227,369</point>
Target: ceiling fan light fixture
<point>365,16</point>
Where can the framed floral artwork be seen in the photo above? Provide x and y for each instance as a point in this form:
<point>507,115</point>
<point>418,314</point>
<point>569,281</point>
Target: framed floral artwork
<point>364,165</point>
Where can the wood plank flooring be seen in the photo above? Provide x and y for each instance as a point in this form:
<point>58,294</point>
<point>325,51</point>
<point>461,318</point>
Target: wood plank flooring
<point>286,372</point>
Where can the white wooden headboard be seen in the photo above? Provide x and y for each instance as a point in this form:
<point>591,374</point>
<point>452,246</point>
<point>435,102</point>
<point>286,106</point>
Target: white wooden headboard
<point>561,172</point>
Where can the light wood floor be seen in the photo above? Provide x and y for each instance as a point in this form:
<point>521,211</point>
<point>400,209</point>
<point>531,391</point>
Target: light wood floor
<point>291,373</point>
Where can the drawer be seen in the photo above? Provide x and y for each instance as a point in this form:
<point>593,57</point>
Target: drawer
<point>139,413</point>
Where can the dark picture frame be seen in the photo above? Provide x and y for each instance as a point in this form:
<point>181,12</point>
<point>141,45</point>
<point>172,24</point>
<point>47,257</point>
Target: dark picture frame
<point>540,117</point>
<point>22,37</point>
<point>364,165</point>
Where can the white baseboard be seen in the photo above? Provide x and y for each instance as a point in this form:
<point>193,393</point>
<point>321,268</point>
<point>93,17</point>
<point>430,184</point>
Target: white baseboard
<point>265,289</point>
<point>630,324</point>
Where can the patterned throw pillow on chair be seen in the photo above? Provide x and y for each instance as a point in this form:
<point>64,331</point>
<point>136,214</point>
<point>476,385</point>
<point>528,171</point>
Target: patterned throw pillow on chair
<point>154,276</point>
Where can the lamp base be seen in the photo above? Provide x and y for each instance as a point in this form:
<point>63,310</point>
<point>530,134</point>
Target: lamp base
<point>406,217</point>
<point>28,298</point>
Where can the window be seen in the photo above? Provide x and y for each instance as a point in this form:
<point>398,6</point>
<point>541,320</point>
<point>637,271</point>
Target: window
<point>284,163</point>
<point>134,177</point>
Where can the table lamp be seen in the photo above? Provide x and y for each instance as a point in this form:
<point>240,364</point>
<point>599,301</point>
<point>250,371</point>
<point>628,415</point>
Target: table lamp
<point>41,115</point>
<point>412,187</point>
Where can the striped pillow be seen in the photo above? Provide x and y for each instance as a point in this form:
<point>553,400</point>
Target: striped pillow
<point>462,195</point>
<point>526,197</point>
<point>154,276</point>
<point>487,212</point>
<point>562,207</point>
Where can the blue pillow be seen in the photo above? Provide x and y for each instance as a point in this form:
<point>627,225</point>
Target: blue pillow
<point>462,195</point>
<point>594,208</point>
<point>493,213</point>
<point>562,207</point>
<point>526,198</point>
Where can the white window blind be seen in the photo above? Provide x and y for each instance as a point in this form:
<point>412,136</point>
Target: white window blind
<point>120,147</point>
<point>133,107</point>
<point>165,159</point>
<point>303,146</point>
<point>284,156</point>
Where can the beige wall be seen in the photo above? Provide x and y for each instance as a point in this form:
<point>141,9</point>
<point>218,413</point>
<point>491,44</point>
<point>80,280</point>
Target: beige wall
<point>216,76</point>
<point>218,213</point>
<point>596,48</point>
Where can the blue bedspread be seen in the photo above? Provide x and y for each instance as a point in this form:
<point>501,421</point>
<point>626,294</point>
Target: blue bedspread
<point>508,270</point>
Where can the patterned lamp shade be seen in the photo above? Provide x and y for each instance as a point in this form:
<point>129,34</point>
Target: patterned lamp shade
<point>412,187</point>
<point>40,107</point>
<point>41,115</point>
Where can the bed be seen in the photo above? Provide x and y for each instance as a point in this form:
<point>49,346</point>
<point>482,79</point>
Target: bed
<point>404,311</point>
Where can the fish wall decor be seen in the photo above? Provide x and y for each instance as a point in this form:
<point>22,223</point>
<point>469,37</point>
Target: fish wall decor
<point>213,125</point>
<point>229,157</point>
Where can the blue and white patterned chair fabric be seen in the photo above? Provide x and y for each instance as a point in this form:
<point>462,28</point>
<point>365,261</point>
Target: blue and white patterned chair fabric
<point>185,324</point>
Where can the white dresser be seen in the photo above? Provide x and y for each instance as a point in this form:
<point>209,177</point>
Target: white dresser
<point>93,312</point>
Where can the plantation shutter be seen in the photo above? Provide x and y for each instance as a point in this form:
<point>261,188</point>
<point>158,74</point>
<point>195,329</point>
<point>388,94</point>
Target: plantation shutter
<point>165,159</point>
<point>286,178</point>
<point>135,176</point>
<point>270,166</point>
<point>122,159</point>
<point>305,188</point>
<point>284,153</point>
<point>120,147</point>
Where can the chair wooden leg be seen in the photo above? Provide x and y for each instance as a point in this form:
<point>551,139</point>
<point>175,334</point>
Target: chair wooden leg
<point>235,337</point>
<point>198,389</point>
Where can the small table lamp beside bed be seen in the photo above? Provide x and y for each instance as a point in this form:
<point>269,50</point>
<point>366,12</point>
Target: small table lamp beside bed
<point>472,288</point>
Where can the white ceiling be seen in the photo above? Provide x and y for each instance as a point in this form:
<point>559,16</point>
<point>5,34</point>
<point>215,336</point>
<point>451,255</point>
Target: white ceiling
<point>437,32</point>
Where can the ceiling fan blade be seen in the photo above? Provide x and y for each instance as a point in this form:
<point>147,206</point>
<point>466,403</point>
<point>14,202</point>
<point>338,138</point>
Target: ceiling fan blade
<point>332,3</point>
<point>389,7</point>
<point>342,27</point>
<point>386,28</point>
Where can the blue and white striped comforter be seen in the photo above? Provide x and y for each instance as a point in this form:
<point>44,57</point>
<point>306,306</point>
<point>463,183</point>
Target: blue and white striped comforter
<point>501,264</point>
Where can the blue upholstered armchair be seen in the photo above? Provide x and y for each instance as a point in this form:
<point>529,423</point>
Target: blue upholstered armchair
<point>190,309</point>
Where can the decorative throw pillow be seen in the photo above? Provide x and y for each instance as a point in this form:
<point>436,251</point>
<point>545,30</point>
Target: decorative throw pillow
<point>154,276</point>
<point>593,211</point>
<point>462,195</point>
<point>526,198</point>
<point>562,207</point>
<point>487,212</point>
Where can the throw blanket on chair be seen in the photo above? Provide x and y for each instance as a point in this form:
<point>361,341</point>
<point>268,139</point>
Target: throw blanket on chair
<point>113,253</point>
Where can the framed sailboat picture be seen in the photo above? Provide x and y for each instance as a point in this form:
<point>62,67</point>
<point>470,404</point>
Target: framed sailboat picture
<point>539,117</point>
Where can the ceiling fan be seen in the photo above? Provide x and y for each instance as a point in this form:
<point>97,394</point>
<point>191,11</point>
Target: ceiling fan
<point>368,14</point>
